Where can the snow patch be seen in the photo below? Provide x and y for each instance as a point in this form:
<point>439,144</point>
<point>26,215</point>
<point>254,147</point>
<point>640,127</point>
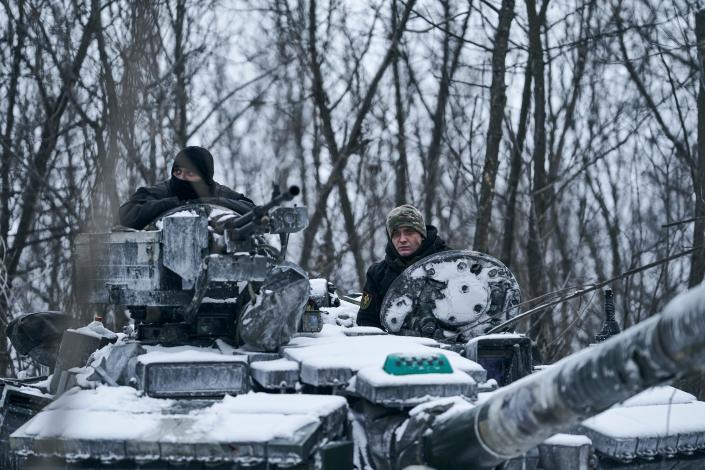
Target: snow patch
<point>661,395</point>
<point>377,377</point>
<point>651,420</point>
<point>163,354</point>
<point>267,403</point>
<point>568,440</point>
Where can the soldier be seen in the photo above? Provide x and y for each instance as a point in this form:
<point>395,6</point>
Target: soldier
<point>410,240</point>
<point>191,178</point>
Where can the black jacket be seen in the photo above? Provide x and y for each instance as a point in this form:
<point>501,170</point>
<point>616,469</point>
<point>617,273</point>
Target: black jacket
<point>148,202</point>
<point>381,275</point>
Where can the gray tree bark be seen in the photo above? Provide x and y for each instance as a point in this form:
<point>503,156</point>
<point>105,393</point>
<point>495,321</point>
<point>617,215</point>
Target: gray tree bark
<point>498,99</point>
<point>697,261</point>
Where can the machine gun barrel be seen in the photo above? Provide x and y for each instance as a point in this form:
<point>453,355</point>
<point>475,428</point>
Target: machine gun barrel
<point>243,226</point>
<point>525,413</point>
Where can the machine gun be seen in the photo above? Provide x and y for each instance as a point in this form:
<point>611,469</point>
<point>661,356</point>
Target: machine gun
<point>243,227</point>
<point>184,280</point>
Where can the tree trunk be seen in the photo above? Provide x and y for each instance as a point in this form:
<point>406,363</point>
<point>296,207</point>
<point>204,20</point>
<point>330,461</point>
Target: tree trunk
<point>339,155</point>
<point>5,182</point>
<point>697,264</point>
<point>401,166</point>
<point>498,99</point>
<point>180,94</point>
<point>434,149</point>
<point>538,198</point>
<point>40,163</point>
<point>515,170</point>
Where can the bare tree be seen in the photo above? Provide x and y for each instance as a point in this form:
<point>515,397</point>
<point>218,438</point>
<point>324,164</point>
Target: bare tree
<point>498,99</point>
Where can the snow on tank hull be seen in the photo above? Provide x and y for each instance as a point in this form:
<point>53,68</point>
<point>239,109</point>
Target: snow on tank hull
<point>343,397</point>
<point>347,397</point>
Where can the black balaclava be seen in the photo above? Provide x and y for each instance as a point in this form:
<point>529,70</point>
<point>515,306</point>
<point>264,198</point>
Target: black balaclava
<point>199,160</point>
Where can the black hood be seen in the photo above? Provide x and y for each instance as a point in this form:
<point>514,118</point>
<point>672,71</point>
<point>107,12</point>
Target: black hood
<point>199,160</point>
<point>430,245</point>
<point>196,159</point>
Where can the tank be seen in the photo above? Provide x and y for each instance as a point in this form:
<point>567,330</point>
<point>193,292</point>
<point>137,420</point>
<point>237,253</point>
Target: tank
<point>238,360</point>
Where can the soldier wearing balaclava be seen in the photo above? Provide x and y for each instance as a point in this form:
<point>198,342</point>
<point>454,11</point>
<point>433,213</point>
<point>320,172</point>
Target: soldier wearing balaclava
<point>191,179</point>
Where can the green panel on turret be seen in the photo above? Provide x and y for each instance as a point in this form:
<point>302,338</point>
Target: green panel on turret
<point>405,364</point>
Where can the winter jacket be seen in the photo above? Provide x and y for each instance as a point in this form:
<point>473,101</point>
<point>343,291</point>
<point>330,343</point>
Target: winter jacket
<point>381,275</point>
<point>148,202</point>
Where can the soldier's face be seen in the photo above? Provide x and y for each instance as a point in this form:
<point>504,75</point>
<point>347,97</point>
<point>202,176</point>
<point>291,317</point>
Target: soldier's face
<point>406,241</point>
<point>186,174</point>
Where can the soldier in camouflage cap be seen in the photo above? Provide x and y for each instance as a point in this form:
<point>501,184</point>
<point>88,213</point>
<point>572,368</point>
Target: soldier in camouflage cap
<point>409,240</point>
<point>406,216</point>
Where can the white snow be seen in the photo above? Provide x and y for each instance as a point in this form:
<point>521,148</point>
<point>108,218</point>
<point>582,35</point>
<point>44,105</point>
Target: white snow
<point>120,413</point>
<point>359,352</point>
<point>185,213</point>
<point>276,365</point>
<point>377,377</point>
<point>34,391</point>
<point>111,399</point>
<point>95,329</point>
<point>448,407</point>
<point>568,440</point>
<point>394,316</point>
<point>91,424</point>
<point>267,403</point>
<point>496,336</point>
<point>165,354</point>
<point>217,426</point>
<point>651,420</point>
<point>319,286</point>
<point>661,395</point>
<point>211,300</point>
<point>345,315</point>
<point>363,331</point>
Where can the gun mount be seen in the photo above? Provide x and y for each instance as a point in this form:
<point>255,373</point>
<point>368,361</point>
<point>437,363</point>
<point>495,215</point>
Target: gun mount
<point>188,276</point>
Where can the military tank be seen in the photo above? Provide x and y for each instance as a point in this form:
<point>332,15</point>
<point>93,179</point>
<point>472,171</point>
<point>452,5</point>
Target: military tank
<point>238,360</point>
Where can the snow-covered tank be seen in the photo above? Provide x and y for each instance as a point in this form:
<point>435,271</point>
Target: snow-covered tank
<point>190,388</point>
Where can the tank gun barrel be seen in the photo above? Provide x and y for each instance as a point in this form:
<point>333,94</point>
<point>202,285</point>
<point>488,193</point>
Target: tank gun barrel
<point>525,413</point>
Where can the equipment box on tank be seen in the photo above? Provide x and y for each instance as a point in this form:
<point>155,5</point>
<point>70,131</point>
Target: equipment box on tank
<point>126,260</point>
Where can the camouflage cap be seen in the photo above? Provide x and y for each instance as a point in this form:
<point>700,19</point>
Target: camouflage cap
<point>406,216</point>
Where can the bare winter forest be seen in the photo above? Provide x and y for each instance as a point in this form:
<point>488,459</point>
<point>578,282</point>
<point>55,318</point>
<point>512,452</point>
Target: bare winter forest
<point>565,137</point>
